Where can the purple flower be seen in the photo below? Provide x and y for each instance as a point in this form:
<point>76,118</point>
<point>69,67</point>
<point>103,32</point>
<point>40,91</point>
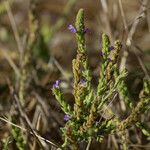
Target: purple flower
<point>56,84</point>
<point>111,48</point>
<point>87,30</point>
<point>83,82</point>
<point>72,28</point>
<point>67,117</point>
<point>101,54</point>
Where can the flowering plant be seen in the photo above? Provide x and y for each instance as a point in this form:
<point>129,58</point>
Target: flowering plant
<point>85,121</point>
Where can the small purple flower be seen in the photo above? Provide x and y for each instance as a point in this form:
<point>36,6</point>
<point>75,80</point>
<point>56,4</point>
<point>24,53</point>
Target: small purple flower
<point>101,54</point>
<point>87,30</point>
<point>56,84</point>
<point>67,117</point>
<point>72,28</point>
<point>111,48</point>
<point>83,82</point>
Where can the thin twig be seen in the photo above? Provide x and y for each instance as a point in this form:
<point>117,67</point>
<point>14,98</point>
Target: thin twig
<point>123,17</point>
<point>14,27</point>
<point>37,124</point>
<point>106,18</point>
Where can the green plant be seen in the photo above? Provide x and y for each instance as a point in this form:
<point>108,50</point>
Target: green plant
<point>6,143</point>
<point>83,123</point>
<point>17,135</point>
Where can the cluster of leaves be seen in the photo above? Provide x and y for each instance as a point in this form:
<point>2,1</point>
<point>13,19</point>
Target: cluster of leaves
<point>17,135</point>
<point>85,120</point>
